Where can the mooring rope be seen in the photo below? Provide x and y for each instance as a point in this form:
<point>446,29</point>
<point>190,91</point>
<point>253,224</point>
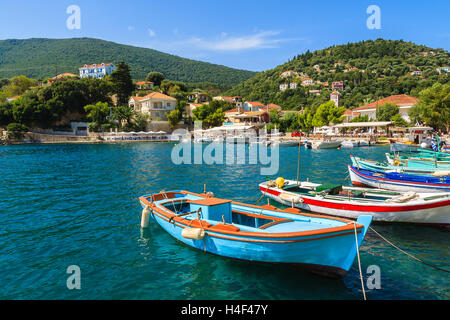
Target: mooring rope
<point>408,254</point>
<point>359,262</point>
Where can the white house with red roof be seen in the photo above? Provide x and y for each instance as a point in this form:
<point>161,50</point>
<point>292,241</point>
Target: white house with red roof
<point>97,70</point>
<point>142,85</point>
<point>155,104</point>
<point>403,101</point>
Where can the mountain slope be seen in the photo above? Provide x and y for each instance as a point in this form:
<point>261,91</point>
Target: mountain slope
<point>41,58</point>
<point>370,70</point>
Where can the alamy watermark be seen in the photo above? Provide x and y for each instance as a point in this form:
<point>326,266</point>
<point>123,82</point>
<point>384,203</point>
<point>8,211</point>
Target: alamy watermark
<point>218,147</point>
<point>74,20</point>
<point>374,279</point>
<point>374,20</point>
<point>74,280</point>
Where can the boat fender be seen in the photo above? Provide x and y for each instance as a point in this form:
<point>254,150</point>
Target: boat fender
<point>403,198</point>
<point>193,233</point>
<point>280,182</point>
<point>290,198</point>
<point>145,217</point>
<point>439,174</point>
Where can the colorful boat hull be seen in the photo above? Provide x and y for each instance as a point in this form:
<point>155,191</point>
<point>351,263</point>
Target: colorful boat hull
<point>398,181</point>
<point>436,212</point>
<point>328,251</point>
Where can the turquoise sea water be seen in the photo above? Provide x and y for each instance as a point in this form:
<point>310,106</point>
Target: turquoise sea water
<point>63,205</point>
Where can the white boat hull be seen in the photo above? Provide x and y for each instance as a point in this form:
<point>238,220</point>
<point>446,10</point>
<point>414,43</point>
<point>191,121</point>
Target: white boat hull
<point>416,212</point>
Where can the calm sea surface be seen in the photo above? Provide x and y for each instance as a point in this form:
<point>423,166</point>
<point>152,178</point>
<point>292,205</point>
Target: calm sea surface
<point>63,205</point>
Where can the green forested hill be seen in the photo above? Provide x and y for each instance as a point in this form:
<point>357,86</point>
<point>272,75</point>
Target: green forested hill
<point>370,71</point>
<point>41,58</point>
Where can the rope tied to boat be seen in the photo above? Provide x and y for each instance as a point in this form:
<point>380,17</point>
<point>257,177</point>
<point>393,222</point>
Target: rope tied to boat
<point>359,261</point>
<point>408,254</point>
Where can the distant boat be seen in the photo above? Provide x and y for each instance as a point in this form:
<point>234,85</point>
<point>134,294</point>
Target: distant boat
<point>326,144</point>
<point>352,202</point>
<point>324,245</point>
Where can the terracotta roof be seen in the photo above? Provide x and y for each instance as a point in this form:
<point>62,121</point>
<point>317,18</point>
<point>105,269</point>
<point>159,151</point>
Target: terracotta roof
<point>351,112</point>
<point>233,110</point>
<point>273,106</point>
<point>255,103</point>
<point>400,100</point>
<point>96,66</point>
<point>154,95</point>
<point>143,82</point>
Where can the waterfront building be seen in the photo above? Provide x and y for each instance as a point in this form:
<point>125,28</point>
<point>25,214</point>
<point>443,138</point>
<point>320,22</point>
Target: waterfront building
<point>350,115</point>
<point>155,104</point>
<point>403,101</point>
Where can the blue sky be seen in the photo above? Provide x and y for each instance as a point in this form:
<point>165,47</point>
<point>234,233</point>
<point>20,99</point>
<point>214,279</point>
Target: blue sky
<point>245,34</point>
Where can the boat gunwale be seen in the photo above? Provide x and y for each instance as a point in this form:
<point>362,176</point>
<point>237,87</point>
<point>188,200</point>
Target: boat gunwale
<point>169,214</point>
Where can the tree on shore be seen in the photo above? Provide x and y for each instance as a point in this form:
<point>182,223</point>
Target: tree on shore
<point>433,107</point>
<point>122,84</point>
<point>328,113</point>
<point>97,115</point>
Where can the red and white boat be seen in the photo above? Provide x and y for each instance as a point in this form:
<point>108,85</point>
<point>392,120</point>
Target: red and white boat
<point>351,202</point>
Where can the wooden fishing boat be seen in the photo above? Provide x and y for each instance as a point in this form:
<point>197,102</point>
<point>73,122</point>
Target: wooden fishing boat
<point>398,181</point>
<point>321,244</point>
<point>352,202</point>
<point>413,167</point>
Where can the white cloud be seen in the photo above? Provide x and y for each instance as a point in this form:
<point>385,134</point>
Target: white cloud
<point>224,42</point>
<point>151,33</point>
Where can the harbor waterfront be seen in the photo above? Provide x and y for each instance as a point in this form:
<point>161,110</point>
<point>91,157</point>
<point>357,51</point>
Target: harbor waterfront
<point>77,204</point>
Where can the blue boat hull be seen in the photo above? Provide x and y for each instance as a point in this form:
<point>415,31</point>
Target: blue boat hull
<point>331,254</point>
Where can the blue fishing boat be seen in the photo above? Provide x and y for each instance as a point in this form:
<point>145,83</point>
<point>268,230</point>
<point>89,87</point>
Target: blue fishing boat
<point>398,181</point>
<point>323,245</point>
